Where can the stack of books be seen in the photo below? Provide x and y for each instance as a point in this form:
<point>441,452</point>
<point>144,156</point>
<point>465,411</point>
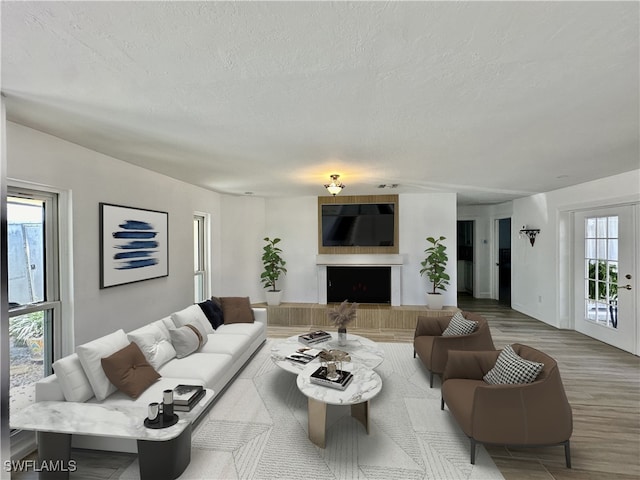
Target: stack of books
<point>319,377</point>
<point>312,338</point>
<point>303,356</point>
<point>185,397</point>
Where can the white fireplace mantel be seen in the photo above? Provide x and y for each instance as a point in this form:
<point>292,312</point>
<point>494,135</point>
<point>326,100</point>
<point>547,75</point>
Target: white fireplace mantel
<point>390,260</point>
<point>360,259</point>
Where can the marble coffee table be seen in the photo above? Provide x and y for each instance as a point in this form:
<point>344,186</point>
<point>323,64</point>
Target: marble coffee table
<point>162,453</point>
<point>362,351</point>
<point>365,385</point>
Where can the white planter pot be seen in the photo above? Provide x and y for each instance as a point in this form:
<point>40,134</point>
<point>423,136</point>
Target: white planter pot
<point>274,297</point>
<point>435,301</point>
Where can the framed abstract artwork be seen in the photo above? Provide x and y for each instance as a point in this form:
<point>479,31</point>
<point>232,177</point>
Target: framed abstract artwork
<point>134,244</point>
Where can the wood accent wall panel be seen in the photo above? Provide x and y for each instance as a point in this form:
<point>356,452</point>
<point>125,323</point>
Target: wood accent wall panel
<point>313,315</point>
<point>348,199</point>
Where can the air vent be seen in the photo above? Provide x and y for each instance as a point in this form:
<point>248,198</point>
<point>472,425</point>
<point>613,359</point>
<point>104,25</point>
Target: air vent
<point>388,185</point>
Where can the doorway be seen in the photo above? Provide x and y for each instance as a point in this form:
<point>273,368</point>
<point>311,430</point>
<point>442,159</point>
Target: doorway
<point>605,273</point>
<point>465,236</point>
<point>504,261</point>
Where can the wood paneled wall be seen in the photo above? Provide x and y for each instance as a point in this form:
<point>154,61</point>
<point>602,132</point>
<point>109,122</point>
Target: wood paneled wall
<point>345,200</point>
<point>313,315</point>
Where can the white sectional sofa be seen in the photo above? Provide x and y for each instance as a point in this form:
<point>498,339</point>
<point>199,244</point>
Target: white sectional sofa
<point>214,365</point>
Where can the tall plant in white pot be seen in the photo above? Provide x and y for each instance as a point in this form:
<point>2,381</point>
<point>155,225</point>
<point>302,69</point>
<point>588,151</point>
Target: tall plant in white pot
<point>274,266</point>
<point>434,266</point>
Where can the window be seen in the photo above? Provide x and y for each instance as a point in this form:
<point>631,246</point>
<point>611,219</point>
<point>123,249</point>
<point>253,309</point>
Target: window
<point>199,258</point>
<point>601,270</point>
<point>33,288</point>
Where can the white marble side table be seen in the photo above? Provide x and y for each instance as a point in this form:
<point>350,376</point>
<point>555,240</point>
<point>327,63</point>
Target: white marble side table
<point>162,453</point>
<point>362,351</point>
<point>365,385</point>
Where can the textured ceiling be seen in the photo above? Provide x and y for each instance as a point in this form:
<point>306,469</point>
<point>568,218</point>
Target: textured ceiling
<point>492,100</point>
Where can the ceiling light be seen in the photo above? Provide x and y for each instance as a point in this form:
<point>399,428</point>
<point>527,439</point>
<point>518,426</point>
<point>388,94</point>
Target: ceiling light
<point>336,186</point>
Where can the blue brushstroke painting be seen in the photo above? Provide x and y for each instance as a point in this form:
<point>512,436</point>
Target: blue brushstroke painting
<point>138,244</point>
<point>137,264</point>
<point>135,237</point>
<point>134,254</point>
<point>136,225</point>
<point>134,234</point>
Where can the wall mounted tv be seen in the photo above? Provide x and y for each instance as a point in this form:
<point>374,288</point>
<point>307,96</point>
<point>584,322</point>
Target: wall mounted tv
<point>358,225</point>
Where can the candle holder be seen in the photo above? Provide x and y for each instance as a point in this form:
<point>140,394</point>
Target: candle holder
<point>153,412</point>
<point>167,404</point>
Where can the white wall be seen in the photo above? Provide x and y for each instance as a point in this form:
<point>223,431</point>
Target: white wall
<point>242,231</point>
<point>90,178</point>
<point>540,282</point>
<point>421,216</point>
<point>541,274</point>
<point>295,221</point>
<point>238,226</point>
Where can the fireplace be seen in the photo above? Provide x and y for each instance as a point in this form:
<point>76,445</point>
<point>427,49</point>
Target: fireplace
<point>392,263</point>
<point>370,284</point>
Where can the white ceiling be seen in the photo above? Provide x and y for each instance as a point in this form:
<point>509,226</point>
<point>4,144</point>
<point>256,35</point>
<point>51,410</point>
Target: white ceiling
<point>492,100</point>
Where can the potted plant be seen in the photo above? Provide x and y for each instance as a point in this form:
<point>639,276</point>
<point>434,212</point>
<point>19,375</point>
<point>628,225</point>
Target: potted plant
<point>273,268</point>
<point>341,316</point>
<point>28,330</point>
<point>434,267</point>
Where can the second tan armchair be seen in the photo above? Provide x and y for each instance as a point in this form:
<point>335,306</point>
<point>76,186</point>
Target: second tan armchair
<point>432,348</point>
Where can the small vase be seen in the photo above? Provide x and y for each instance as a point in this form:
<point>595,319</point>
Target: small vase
<point>342,336</point>
<point>332,371</point>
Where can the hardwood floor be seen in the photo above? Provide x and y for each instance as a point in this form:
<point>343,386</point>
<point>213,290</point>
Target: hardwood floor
<point>602,384</point>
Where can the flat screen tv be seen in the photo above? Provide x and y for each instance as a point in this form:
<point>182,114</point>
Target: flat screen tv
<point>358,225</point>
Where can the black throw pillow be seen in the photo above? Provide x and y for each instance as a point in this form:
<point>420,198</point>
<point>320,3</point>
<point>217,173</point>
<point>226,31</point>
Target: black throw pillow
<point>213,313</point>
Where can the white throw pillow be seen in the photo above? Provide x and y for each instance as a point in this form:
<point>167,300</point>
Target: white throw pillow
<point>185,340</point>
<point>155,346</point>
<point>90,355</point>
<point>72,379</point>
<point>192,314</point>
<point>164,324</point>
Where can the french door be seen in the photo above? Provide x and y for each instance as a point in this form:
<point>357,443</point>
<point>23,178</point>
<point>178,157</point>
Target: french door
<point>605,276</point>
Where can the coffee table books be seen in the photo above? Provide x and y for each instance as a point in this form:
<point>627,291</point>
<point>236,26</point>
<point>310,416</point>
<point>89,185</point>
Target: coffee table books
<point>319,377</point>
<point>192,403</point>
<point>303,355</point>
<point>183,395</point>
<point>312,338</point>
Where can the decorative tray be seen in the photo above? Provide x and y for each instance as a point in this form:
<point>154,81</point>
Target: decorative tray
<point>161,422</point>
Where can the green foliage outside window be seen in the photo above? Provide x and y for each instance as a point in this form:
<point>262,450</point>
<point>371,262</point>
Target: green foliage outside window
<point>23,327</point>
<point>604,278</point>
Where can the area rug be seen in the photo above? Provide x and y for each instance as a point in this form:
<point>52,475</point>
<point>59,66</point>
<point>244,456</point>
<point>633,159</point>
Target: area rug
<point>258,430</point>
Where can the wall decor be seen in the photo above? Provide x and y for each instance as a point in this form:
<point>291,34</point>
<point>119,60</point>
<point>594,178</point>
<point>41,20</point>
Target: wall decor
<point>134,244</point>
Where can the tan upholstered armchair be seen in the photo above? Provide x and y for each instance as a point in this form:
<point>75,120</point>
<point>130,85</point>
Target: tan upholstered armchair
<point>431,347</point>
<point>524,415</point>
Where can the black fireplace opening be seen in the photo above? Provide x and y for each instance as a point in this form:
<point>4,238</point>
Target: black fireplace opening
<point>359,284</point>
